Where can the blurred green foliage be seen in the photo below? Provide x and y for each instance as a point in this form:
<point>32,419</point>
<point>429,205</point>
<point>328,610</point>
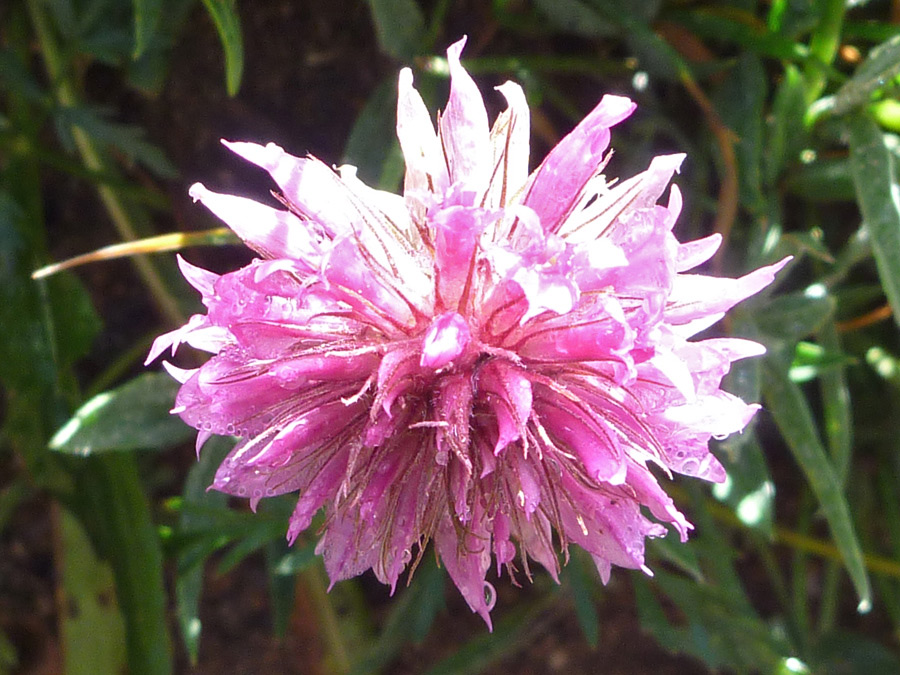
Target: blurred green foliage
<point>788,111</point>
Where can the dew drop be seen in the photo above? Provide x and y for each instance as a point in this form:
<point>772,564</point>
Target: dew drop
<point>690,467</point>
<point>229,429</point>
<point>490,596</point>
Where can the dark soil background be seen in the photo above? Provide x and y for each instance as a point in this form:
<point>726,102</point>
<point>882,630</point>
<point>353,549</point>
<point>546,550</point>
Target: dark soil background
<point>310,68</point>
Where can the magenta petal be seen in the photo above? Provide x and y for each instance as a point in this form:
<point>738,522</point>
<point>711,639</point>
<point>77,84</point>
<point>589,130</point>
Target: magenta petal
<point>464,125</point>
<point>467,564</point>
<point>558,181</point>
<point>691,298</point>
<point>446,339</point>
<point>273,233</point>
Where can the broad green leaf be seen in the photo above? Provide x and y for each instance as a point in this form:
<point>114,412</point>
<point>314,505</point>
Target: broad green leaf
<point>399,27</point>
<point>111,502</point>
<point>133,417</point>
<point>793,316</point>
<point>372,146</point>
<point>93,633</point>
<point>880,67</point>
<point>875,179</point>
<point>228,24</point>
<point>787,404</point>
<point>146,19</point>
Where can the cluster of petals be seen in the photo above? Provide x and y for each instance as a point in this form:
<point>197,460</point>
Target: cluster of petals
<point>493,361</point>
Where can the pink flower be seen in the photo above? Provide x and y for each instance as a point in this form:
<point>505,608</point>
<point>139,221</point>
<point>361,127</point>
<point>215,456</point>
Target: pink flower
<point>492,358</point>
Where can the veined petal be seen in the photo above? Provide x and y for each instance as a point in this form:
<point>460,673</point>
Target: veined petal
<point>426,170</point>
<point>510,137</point>
<point>464,126</point>
<point>558,181</point>
<point>691,299</point>
<point>270,232</point>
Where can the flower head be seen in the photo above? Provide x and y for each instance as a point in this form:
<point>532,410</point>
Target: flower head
<point>492,361</point>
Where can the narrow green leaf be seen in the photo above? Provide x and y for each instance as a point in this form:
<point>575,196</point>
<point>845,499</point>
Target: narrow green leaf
<point>228,24</point>
<point>792,414</point>
<point>133,417</point>
<point>826,180</point>
<point>740,102</point>
<point>189,582</point>
<point>146,19</point>
<point>111,500</point>
<point>836,404</point>
<point>875,179</point>
<point>129,139</point>
<point>786,129</point>
<point>580,584</point>
<point>576,17</point>
<point>880,67</point>
<point>281,584</point>
<point>399,27</point>
<point>410,618</point>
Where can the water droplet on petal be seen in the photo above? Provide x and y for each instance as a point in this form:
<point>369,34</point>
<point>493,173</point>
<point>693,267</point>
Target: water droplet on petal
<point>490,596</point>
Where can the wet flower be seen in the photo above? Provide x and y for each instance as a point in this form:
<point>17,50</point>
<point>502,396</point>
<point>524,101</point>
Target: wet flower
<point>493,361</point>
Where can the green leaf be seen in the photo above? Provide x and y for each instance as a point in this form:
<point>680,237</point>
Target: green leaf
<point>812,360</point>
<point>510,634</point>
<point>574,16</point>
<point>748,488</point>
<point>875,179</point>
<point>740,102</point>
<point>372,146</point>
<point>712,629</point>
<point>133,417</point>
<point>228,24</point>
<point>111,502</point>
<point>880,67</point>
<point>787,404</point>
<point>793,316</point>
<point>836,403</point>
<point>581,585</point>
<point>399,27</point>
<point>189,583</point>
<point>410,618</point>
<point>786,130</point>
<point>146,19</point>
<point>826,180</point>
<point>127,138</point>
<point>93,633</point>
